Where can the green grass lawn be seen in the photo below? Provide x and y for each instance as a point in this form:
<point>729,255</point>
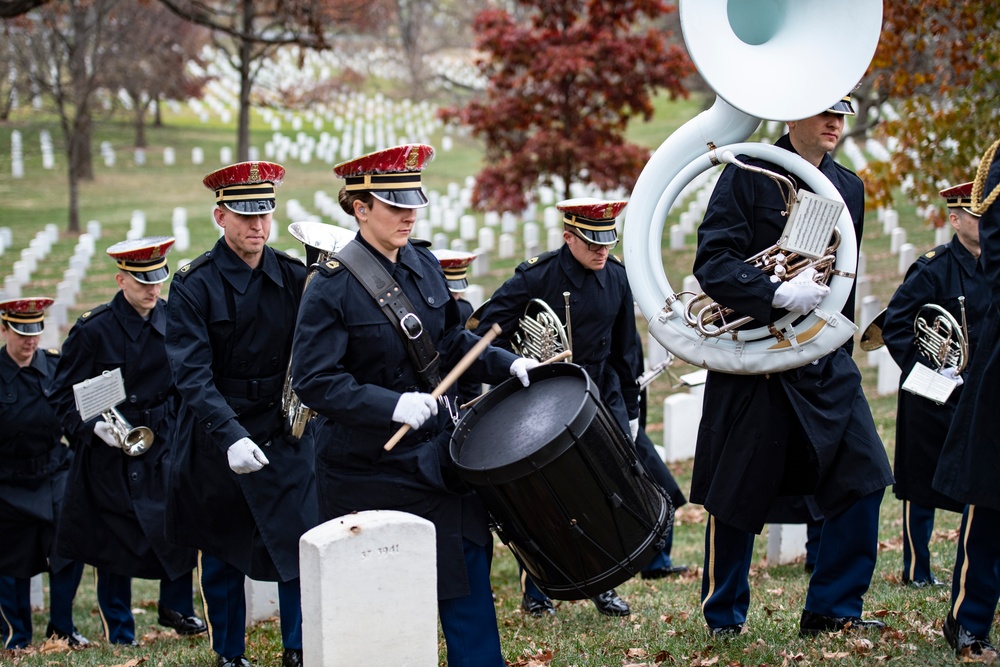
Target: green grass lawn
<point>666,626</point>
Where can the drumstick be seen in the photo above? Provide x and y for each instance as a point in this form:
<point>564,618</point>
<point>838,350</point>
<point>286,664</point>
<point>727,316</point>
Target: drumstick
<point>565,354</point>
<point>449,379</point>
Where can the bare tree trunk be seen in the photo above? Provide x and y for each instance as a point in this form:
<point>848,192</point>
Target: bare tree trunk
<point>81,161</point>
<point>243,132</point>
<point>139,122</point>
<point>158,115</point>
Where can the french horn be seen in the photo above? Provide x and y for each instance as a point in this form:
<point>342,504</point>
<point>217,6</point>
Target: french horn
<point>540,334</point>
<point>322,242</point>
<point>761,59</point>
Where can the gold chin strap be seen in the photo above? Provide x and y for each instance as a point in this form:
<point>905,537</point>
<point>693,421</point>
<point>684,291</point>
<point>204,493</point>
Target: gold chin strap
<point>980,205</point>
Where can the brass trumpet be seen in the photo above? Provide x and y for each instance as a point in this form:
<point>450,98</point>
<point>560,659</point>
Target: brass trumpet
<point>133,441</point>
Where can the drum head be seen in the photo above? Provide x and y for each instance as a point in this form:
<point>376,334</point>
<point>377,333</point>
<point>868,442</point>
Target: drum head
<point>515,429</point>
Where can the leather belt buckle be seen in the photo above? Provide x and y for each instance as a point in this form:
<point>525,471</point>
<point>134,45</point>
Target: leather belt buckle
<point>411,325</point>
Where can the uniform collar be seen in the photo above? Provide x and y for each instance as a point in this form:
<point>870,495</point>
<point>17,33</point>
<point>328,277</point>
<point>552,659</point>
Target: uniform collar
<point>408,257</point>
<point>238,273</point>
<point>575,271</point>
<point>786,142</point>
<point>9,369</point>
<point>964,257</point>
<point>130,319</point>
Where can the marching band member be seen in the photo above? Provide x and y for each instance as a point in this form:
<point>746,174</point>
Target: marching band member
<point>241,492</point>
<point>34,465</point>
<point>970,459</point>
<point>803,431</point>
<point>605,343</point>
<point>940,277</point>
<point>370,369</point>
<point>114,513</point>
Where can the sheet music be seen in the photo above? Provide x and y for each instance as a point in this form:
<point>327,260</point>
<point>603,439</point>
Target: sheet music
<point>810,225</point>
<point>930,384</point>
<point>99,394</point>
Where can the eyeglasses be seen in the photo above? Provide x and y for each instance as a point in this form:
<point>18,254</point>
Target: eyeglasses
<point>594,247</point>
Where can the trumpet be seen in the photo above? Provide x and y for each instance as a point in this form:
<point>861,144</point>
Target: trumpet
<point>133,441</point>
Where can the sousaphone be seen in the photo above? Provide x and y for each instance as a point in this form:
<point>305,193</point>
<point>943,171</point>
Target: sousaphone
<point>765,59</point>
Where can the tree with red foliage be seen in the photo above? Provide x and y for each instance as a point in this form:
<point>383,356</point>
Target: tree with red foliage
<point>565,77</point>
<point>937,65</point>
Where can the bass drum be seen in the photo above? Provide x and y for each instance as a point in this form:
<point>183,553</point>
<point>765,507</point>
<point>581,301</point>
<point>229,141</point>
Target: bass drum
<point>563,484</point>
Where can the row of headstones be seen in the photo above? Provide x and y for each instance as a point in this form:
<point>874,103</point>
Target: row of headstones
<point>17,152</point>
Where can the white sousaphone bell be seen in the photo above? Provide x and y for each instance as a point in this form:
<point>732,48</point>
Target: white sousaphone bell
<point>765,59</point>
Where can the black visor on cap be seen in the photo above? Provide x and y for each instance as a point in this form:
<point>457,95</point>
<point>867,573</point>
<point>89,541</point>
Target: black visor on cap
<point>843,107</point>
<point>27,328</point>
<point>458,285</point>
<point>609,237</point>
<point>250,206</point>
<point>151,277</point>
<point>408,198</point>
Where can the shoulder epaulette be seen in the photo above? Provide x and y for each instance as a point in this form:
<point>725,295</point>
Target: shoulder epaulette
<point>200,260</point>
<point>616,259</point>
<point>52,352</point>
<point>931,254</point>
<point>420,243</point>
<point>537,260</point>
<point>329,267</point>
<point>96,310</point>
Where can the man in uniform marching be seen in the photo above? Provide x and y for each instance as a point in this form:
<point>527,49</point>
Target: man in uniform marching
<point>115,501</point>
<point>950,277</point>
<point>605,342</point>
<point>241,491</point>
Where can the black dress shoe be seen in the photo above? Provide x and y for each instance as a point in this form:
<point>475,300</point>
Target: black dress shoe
<point>72,638</point>
<point>537,607</point>
<point>238,661</point>
<point>609,604</point>
<point>924,583</point>
<point>184,625</point>
<point>291,657</point>
<point>663,572</point>
<point>726,631</point>
<point>965,643</point>
<point>812,624</point>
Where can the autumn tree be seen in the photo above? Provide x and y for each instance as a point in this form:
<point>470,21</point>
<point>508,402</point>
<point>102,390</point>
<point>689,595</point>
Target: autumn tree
<point>565,77</point>
<point>249,32</point>
<point>63,48</point>
<point>938,68</point>
<point>152,48</point>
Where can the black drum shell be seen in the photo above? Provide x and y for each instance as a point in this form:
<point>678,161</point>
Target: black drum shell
<point>564,486</point>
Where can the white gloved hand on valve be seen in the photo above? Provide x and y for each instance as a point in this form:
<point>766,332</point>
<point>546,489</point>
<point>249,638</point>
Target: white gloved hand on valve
<point>633,428</point>
<point>103,430</point>
<point>245,456</point>
<point>414,408</point>
<point>800,294</point>
<point>520,369</point>
<point>952,374</point>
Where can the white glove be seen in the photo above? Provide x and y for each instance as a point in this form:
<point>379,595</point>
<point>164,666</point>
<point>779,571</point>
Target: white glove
<point>245,456</point>
<point>633,428</point>
<point>800,294</point>
<point>414,408</point>
<point>950,373</point>
<point>520,368</point>
<point>102,430</point>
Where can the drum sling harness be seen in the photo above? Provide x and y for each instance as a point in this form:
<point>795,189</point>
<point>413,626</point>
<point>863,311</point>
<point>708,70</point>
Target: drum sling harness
<point>394,304</point>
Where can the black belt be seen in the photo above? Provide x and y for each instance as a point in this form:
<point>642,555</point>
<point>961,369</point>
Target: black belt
<point>252,388</point>
<point>27,467</point>
<point>394,304</point>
